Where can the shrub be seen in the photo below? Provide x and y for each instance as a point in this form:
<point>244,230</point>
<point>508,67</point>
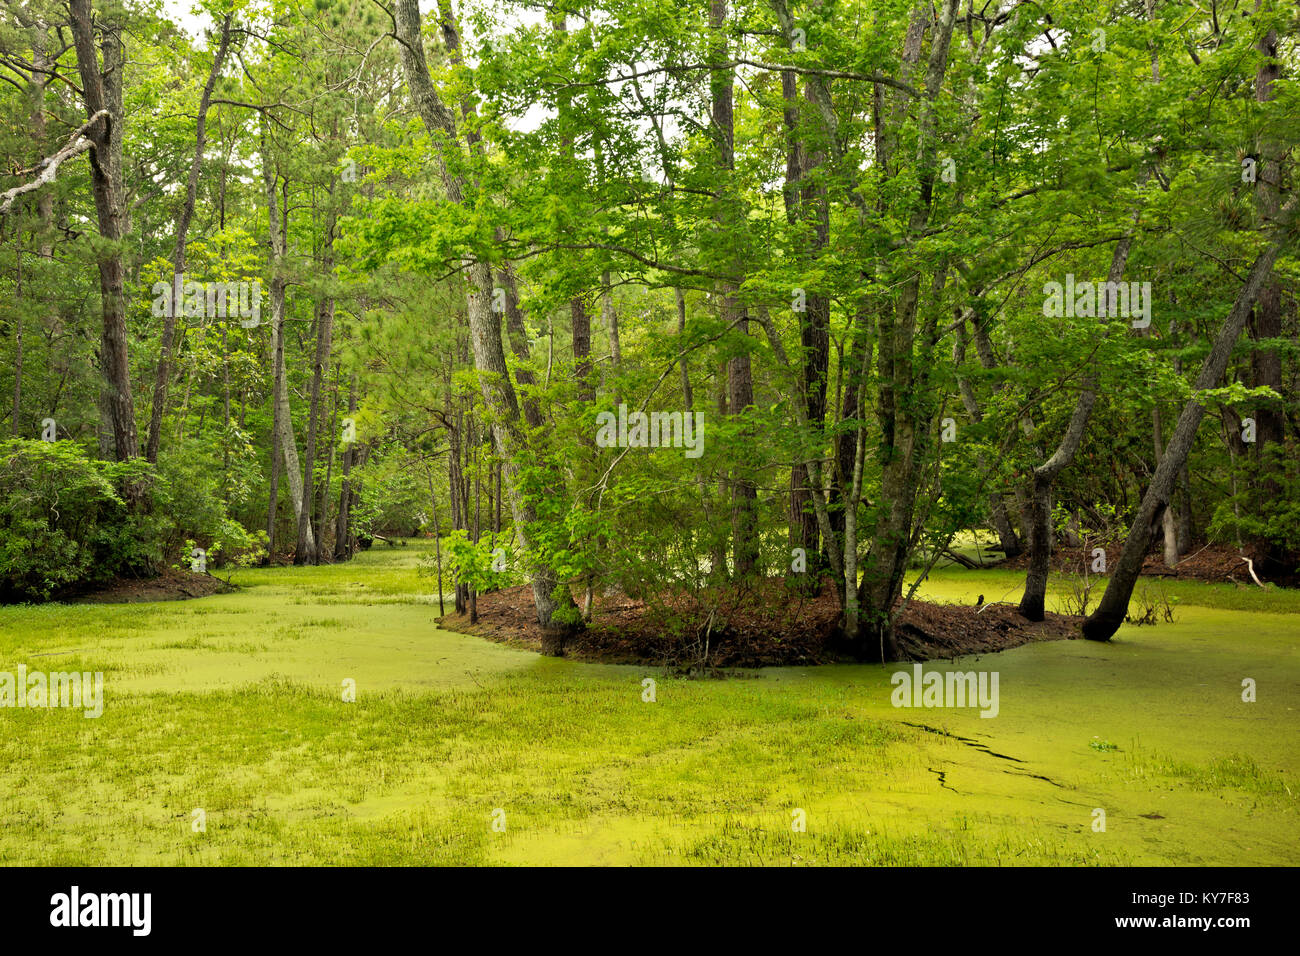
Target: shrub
<point>62,521</point>
<point>193,496</point>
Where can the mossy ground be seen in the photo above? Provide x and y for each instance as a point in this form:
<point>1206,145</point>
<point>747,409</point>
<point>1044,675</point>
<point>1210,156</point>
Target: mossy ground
<point>233,704</point>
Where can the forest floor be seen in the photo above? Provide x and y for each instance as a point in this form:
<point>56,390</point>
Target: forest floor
<point>239,705</point>
<point>1216,563</point>
<point>172,584</point>
<point>772,624</point>
<point>768,625</point>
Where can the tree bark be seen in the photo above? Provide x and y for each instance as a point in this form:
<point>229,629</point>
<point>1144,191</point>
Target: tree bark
<point>905,425</point>
<point>283,418</point>
<point>183,218</point>
<point>517,333</point>
<point>307,549</point>
<point>485,326</point>
<point>806,206</point>
<point>342,524</point>
<point>1266,323</point>
<point>1102,624</point>
<point>740,383</point>
<point>102,92</point>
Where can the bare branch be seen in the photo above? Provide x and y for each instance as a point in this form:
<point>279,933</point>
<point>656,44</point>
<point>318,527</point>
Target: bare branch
<point>49,167</point>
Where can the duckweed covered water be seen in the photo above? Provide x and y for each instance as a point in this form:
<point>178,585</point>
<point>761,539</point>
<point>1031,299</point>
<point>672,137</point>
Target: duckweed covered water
<point>233,704</point>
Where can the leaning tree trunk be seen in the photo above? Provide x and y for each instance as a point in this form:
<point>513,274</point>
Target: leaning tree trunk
<point>1102,624</point>
<point>485,328</point>
<point>1038,511</point>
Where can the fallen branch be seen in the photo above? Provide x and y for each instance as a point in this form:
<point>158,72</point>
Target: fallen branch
<point>1250,565</point>
<point>961,559</point>
<point>49,167</point>
<point>996,604</point>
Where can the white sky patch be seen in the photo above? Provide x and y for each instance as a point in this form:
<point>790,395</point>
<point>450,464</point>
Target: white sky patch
<point>509,16</point>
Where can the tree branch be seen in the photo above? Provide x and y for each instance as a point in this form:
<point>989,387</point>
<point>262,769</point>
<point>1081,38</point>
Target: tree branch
<point>49,167</point>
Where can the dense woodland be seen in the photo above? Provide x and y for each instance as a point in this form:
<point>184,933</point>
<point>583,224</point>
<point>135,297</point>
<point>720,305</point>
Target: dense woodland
<point>343,269</point>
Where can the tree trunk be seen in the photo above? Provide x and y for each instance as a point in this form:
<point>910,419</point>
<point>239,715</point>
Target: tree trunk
<point>178,258</point>
<point>1008,543</point>
<point>102,90</point>
<point>322,507</point>
<point>283,417</point>
<point>342,524</point>
<point>1038,513</point>
<point>806,201</point>
<point>610,317</point>
<point>580,324</point>
<point>307,550</point>
<point>485,329</point>
<point>1266,324</point>
<point>1102,624</point>
<point>905,424</point>
<point>18,335</point>
<point>277,369</point>
<point>740,384</point>
<point>1169,525</point>
<point>517,333</point>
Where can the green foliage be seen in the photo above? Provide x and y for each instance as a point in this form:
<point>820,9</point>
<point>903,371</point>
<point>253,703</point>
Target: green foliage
<point>475,564</point>
<point>195,493</point>
<point>1266,505</point>
<point>63,523</point>
<point>392,493</point>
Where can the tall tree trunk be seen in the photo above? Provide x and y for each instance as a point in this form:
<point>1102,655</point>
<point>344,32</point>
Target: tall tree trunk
<point>485,330</point>
<point>517,333</point>
<point>18,334</point>
<point>806,204</point>
<point>37,84</point>
<point>903,370</point>
<point>744,501</point>
<point>580,324</point>
<point>610,317</point>
<point>283,417</point>
<point>1266,324</point>
<point>102,91</point>
<point>322,508</point>
<point>277,370</point>
<point>740,384</point>
<point>1169,524</point>
<point>343,523</point>
<point>183,218</point>
<point>320,364</point>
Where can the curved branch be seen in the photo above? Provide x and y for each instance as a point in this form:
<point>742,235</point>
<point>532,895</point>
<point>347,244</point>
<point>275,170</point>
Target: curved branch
<point>49,167</point>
